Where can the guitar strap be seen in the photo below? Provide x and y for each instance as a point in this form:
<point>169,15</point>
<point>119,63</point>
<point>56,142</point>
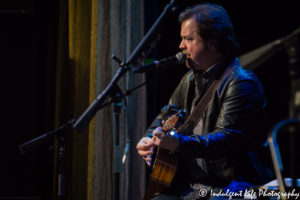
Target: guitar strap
<point>202,106</point>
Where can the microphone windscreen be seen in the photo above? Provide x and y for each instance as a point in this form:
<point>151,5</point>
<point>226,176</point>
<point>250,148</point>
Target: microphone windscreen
<point>180,57</point>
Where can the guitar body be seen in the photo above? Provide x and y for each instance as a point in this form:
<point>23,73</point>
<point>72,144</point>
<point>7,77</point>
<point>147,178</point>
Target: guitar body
<point>164,170</point>
<point>165,164</point>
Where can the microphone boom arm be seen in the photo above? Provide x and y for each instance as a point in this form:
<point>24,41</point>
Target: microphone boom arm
<point>88,114</point>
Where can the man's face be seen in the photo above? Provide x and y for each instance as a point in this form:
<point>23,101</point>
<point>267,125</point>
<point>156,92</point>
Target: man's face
<point>194,46</point>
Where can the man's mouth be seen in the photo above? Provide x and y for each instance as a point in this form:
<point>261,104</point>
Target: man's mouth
<point>187,55</point>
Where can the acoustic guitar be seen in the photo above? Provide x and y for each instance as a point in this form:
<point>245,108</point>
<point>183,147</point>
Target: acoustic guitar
<point>166,162</point>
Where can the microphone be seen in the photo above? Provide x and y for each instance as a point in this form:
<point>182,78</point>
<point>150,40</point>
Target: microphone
<point>179,58</point>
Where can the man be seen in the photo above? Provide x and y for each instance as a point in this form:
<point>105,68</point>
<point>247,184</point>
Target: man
<point>220,152</point>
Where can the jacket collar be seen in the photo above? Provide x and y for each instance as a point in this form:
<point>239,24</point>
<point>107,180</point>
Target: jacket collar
<point>216,70</point>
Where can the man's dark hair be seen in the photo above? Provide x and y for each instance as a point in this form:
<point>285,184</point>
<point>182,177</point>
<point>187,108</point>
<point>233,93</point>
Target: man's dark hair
<point>214,25</point>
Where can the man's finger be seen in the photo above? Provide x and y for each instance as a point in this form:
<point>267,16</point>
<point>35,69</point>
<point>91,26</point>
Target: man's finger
<point>148,163</point>
<point>144,146</point>
<point>148,160</point>
<point>144,153</point>
<point>158,134</point>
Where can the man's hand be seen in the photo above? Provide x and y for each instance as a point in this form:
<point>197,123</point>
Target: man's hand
<point>164,141</point>
<point>145,149</point>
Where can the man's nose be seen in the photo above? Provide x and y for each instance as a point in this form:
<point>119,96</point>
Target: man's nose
<point>182,45</point>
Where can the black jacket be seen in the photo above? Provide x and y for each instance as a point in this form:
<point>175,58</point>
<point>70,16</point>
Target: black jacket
<point>229,147</point>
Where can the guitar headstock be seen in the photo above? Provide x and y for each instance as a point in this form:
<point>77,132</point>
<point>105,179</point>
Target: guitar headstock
<point>175,118</point>
<point>170,123</point>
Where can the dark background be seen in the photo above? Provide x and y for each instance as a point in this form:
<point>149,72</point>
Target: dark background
<point>28,38</point>
<point>28,59</point>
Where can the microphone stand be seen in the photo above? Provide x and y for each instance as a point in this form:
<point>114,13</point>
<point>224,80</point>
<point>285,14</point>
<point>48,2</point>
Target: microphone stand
<point>111,90</point>
<point>114,91</point>
<point>85,118</point>
<point>59,133</point>
<point>117,163</point>
<point>117,100</point>
<point>292,48</point>
<point>275,154</point>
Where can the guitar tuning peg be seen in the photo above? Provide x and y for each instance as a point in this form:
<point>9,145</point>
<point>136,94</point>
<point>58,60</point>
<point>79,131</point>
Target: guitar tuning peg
<point>172,132</point>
